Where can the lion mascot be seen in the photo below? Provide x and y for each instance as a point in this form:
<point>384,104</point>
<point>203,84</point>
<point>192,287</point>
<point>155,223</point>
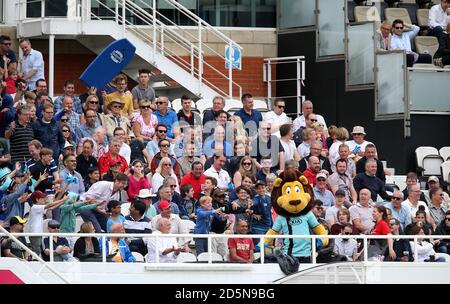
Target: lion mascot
<point>292,199</point>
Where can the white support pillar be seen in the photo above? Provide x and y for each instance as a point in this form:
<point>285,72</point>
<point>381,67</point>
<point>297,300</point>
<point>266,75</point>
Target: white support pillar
<point>51,64</point>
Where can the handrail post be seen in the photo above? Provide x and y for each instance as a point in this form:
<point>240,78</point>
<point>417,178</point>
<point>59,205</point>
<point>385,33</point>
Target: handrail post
<point>154,28</point>
<point>269,79</point>
<point>192,60</point>
<point>230,70</point>
<point>261,249</point>
<point>156,248</point>
<point>104,249</point>
<point>299,83</point>
<point>42,9</point>
<point>366,250</point>
<point>162,39</point>
<point>123,18</point>
<point>209,249</point>
<point>200,56</point>
<point>314,251</point>
<point>117,11</point>
<point>50,247</point>
<point>416,253</point>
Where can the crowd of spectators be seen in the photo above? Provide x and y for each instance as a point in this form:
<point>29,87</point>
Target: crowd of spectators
<point>84,157</point>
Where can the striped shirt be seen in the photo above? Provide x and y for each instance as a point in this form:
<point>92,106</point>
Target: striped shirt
<point>19,140</point>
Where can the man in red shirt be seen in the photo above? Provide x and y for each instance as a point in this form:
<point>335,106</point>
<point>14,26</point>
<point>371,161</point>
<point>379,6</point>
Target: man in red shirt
<point>313,170</point>
<point>112,157</point>
<point>241,249</point>
<point>196,178</point>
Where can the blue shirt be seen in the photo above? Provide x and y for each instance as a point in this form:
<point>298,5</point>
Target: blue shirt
<point>119,219</point>
<point>73,180</point>
<point>403,42</point>
<point>254,116</point>
<point>84,131</point>
<point>262,205</point>
<point>76,104</point>
<point>300,226</point>
<point>204,220</point>
<point>169,119</point>
<point>33,61</point>
<point>403,216</point>
<point>326,197</point>
<point>209,148</point>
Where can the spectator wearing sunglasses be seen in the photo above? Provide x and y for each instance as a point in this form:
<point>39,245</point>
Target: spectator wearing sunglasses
<point>92,102</point>
<point>277,117</point>
<point>307,109</point>
<point>6,52</point>
<point>399,211</point>
<point>402,247</point>
<point>166,116</point>
<point>145,122</point>
<point>401,40</point>
<point>116,119</point>
<point>160,134</point>
<point>165,152</point>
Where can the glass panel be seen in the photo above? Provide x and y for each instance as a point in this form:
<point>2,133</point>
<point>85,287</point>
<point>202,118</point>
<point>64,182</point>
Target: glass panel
<point>434,97</point>
<point>331,27</point>
<point>390,82</point>
<point>361,54</point>
<point>296,13</point>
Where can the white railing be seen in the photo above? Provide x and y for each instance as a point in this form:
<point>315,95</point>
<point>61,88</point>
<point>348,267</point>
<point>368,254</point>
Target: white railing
<point>298,77</point>
<point>3,231</point>
<point>261,238</point>
<point>146,22</point>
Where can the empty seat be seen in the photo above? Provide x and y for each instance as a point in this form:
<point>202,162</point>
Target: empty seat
<point>426,44</point>
<point>203,104</point>
<point>204,257</point>
<point>393,13</point>
<point>185,257</point>
<point>188,224</point>
<point>260,104</point>
<point>411,6</point>
<point>445,171</point>
<point>445,153</point>
<point>428,161</point>
<point>367,13</point>
<point>350,10</point>
<point>422,17</point>
<point>232,104</point>
<point>176,104</point>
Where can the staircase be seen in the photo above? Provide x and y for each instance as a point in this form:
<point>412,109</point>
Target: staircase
<point>175,54</point>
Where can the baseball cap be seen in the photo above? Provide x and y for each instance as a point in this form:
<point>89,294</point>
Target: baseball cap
<point>321,174</point>
<point>260,183</point>
<point>433,179</point>
<point>38,194</point>
<point>163,205</point>
<point>16,220</point>
<point>340,192</point>
<point>53,224</point>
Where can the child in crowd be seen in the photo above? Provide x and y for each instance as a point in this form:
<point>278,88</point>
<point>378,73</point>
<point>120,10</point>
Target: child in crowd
<point>11,81</point>
<point>208,186</point>
<point>92,178</point>
<point>36,218</point>
<point>205,213</point>
<point>116,217</point>
<point>242,207</point>
<point>262,206</point>
<point>187,207</point>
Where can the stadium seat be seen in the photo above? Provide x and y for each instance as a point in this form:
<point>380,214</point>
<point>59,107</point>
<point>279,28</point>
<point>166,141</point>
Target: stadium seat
<point>399,180</point>
<point>190,225</point>
<point>445,153</point>
<point>367,13</point>
<point>445,171</point>
<point>139,257</point>
<point>204,257</point>
<point>422,17</point>
<point>202,105</point>
<point>45,225</point>
<point>411,6</point>
<point>176,104</point>
<point>260,104</point>
<point>393,13</point>
<point>185,257</point>
<point>426,44</point>
<point>232,104</point>
<point>125,210</point>
<point>428,161</point>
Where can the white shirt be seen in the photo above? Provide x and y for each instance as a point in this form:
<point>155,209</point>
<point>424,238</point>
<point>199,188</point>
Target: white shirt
<point>412,209</point>
<point>163,243</point>
<point>352,145</point>
<point>300,122</point>
<point>424,250</point>
<point>403,42</point>
<point>289,149</point>
<point>223,178</point>
<point>158,179</point>
<point>438,17</point>
<point>176,226</point>
<point>36,219</point>
<point>333,152</point>
<point>276,119</point>
<point>102,191</point>
<point>303,149</point>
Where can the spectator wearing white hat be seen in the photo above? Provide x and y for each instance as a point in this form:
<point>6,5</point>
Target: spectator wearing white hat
<point>358,144</point>
<point>145,195</point>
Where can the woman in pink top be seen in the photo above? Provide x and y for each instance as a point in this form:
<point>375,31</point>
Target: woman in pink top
<point>145,122</point>
<point>137,180</point>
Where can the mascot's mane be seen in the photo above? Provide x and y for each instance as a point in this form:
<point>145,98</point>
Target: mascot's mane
<point>290,175</point>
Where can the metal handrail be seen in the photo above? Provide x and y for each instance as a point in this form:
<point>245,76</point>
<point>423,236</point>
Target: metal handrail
<point>261,238</point>
<point>3,231</point>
